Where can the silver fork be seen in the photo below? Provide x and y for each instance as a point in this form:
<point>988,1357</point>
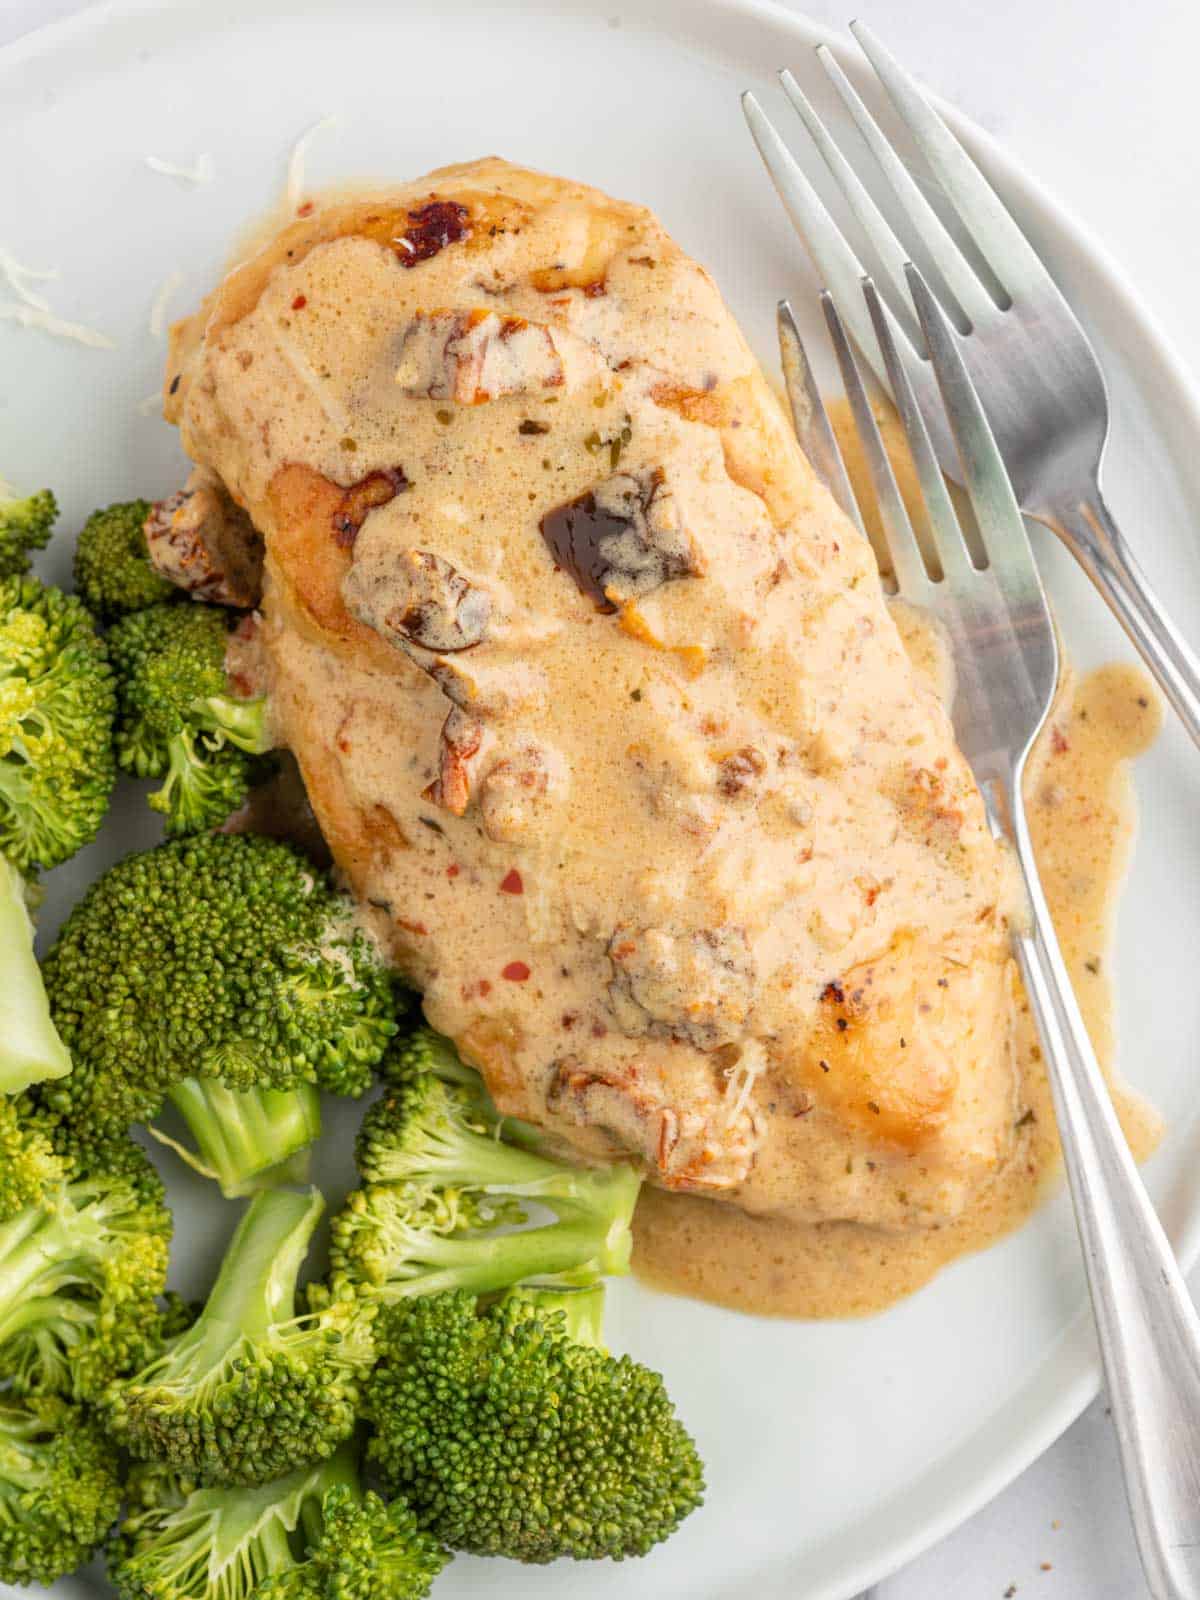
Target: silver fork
<point>1002,634</point>
<point>1031,362</point>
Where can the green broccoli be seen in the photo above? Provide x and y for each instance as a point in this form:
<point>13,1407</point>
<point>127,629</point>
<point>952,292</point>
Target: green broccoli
<point>179,717</point>
<point>80,1270</point>
<point>251,1390</point>
<point>113,571</point>
<point>30,1047</point>
<point>29,1165</point>
<point>224,974</point>
<point>56,725</point>
<point>511,1434</point>
<point>313,1535</point>
<point>25,525</point>
<point>440,1183</point>
<point>60,1489</point>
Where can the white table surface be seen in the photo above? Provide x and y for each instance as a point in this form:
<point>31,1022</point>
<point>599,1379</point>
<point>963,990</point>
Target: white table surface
<point>1098,99</point>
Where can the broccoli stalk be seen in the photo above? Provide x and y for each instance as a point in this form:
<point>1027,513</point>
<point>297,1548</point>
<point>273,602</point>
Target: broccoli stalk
<point>511,1437</point>
<point>113,571</point>
<point>30,1047</point>
<point>60,1489</point>
<point>80,1271</point>
<point>247,1139</point>
<point>178,717</point>
<point>25,525</point>
<point>312,1535</point>
<point>440,1183</point>
<point>251,1390</point>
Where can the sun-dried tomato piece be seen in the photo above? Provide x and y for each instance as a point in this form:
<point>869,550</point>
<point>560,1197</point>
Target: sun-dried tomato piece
<point>363,497</point>
<point>431,228</point>
<point>622,539</point>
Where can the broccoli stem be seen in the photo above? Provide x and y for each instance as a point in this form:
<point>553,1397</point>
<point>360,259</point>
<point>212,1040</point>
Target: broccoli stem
<point>242,722</point>
<point>249,1139</point>
<point>452,1155</point>
<point>30,1048</point>
<point>485,1263</point>
<point>256,1286</point>
<point>43,1252</point>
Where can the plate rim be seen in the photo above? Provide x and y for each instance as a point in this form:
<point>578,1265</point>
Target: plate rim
<point>881,1555</point>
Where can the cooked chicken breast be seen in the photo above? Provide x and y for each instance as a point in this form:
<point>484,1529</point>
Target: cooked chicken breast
<point>599,703</point>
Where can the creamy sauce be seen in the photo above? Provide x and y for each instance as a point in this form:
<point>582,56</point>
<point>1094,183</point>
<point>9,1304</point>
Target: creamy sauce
<point>1082,814</point>
<point>600,706</point>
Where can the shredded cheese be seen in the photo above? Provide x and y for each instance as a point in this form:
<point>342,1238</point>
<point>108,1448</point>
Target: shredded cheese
<point>27,316</point>
<point>32,310</point>
<point>295,171</point>
<point>149,404</point>
<point>742,1077</point>
<point>304,370</point>
<point>194,177</point>
<point>158,311</point>
<point>19,277</point>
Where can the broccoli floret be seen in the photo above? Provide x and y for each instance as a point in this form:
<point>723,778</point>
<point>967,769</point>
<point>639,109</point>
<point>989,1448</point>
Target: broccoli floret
<point>80,1271</point>
<point>60,1489</point>
<point>25,525</point>
<point>113,570</point>
<point>30,1047</point>
<point>225,974</point>
<point>179,717</point>
<point>56,725</point>
<point>360,1548</point>
<point>440,1184</point>
<point>313,1535</point>
<point>251,1390</point>
<point>29,1166</point>
<point>509,1437</point>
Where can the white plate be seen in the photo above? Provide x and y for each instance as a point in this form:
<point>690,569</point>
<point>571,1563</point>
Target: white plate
<point>835,1452</point>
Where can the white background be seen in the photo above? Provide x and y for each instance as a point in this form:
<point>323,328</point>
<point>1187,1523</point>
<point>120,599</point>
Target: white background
<point>1098,99</point>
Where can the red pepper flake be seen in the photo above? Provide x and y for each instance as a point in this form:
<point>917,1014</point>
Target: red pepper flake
<point>299,303</point>
<point>511,883</point>
<point>1058,742</point>
<point>515,972</point>
<point>453,870</point>
<point>485,987</point>
<point>306,210</point>
<point>412,927</point>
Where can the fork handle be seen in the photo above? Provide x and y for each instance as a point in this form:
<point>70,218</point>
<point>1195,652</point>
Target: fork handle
<point>1090,532</point>
<point>1149,1330</point>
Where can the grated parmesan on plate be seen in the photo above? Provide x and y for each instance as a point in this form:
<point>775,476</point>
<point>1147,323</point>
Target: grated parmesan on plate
<point>295,171</point>
<point>158,311</point>
<point>32,310</point>
<point>194,177</point>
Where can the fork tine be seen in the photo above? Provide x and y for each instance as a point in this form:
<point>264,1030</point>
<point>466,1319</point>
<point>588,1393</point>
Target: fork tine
<point>1003,245</point>
<point>837,265</point>
<point>891,253</point>
<point>944,527</point>
<point>810,418</point>
<point>959,276</point>
<point>1001,526</point>
<point>904,555</point>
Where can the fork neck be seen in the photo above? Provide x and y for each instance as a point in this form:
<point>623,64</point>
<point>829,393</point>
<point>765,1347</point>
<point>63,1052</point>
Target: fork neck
<point>1090,532</point>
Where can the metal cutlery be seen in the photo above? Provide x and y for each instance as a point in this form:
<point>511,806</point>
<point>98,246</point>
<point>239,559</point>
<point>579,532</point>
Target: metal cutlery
<point>1002,634</point>
<point>1031,362</point>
